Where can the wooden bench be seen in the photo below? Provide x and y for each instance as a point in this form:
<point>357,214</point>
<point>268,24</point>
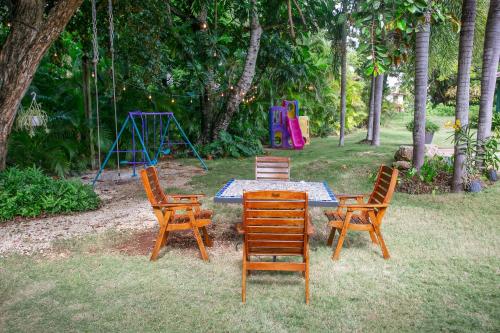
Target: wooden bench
<point>175,212</point>
<point>272,168</point>
<point>275,223</point>
<point>361,215</point>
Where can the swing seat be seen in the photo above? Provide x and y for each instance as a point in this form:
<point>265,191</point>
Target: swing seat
<point>166,151</point>
<point>124,162</point>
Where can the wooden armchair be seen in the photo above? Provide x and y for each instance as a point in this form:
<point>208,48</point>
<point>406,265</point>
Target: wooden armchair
<point>272,168</point>
<point>275,223</point>
<point>175,212</point>
<point>361,215</point>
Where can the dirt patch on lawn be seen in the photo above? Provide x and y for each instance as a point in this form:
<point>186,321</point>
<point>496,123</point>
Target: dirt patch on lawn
<point>141,243</point>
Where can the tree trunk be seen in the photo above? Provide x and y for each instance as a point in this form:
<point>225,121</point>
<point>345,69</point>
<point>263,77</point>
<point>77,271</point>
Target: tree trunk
<point>369,131</point>
<point>463,85</point>
<point>247,75</point>
<point>29,39</point>
<point>343,76</point>
<point>377,109</point>
<point>491,53</point>
<point>421,73</point>
<point>87,107</point>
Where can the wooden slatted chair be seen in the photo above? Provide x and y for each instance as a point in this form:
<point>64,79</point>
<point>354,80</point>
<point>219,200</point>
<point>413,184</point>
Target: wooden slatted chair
<point>361,215</point>
<point>275,223</point>
<point>272,168</point>
<point>176,212</point>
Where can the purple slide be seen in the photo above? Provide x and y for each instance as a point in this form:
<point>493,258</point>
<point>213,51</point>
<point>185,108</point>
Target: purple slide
<point>295,132</point>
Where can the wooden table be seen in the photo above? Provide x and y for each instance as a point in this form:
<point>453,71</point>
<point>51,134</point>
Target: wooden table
<point>320,194</point>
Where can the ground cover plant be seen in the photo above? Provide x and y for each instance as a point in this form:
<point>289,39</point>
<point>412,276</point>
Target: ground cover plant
<point>29,193</point>
<point>442,275</point>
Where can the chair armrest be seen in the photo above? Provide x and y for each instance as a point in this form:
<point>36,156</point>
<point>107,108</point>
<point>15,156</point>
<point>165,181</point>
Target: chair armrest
<point>351,196</point>
<point>364,207</point>
<point>240,229</point>
<point>186,196</point>
<point>178,206</point>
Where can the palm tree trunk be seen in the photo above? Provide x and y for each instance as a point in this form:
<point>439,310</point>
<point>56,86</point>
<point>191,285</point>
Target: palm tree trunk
<point>369,130</point>
<point>343,76</point>
<point>463,86</point>
<point>421,77</point>
<point>377,109</point>
<point>491,53</point>
<point>29,38</point>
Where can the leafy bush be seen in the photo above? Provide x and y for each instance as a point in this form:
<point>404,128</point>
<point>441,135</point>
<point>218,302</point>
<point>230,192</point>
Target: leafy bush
<point>430,126</point>
<point>229,145</point>
<point>495,122</point>
<point>431,168</point>
<point>442,110</point>
<point>30,193</point>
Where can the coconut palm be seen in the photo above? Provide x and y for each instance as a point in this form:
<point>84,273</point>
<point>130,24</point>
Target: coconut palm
<point>463,86</point>
<point>421,70</point>
<point>491,54</point>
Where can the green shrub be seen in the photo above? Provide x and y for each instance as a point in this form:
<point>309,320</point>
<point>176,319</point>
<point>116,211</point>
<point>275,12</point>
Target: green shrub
<point>229,145</point>
<point>429,126</point>
<point>29,193</point>
<point>432,167</point>
<point>442,110</point>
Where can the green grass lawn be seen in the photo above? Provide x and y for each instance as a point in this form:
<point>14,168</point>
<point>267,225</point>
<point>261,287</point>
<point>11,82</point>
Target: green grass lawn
<point>444,273</point>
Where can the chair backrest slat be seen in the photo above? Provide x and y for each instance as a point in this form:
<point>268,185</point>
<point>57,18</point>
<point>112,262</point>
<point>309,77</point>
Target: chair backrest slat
<point>149,177</point>
<point>384,186</point>
<point>272,168</point>
<point>275,222</point>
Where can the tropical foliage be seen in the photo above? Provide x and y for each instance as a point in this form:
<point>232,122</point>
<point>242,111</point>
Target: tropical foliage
<point>29,193</point>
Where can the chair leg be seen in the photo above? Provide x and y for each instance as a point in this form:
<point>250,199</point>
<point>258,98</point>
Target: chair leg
<point>164,240</point>
<point>385,251</point>
<point>307,281</point>
<point>197,236</point>
<point>340,242</point>
<point>206,236</point>
<point>159,242</point>
<point>373,237</point>
<point>244,278</point>
<point>331,237</point>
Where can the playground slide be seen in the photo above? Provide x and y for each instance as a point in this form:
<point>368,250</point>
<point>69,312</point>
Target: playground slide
<point>295,133</point>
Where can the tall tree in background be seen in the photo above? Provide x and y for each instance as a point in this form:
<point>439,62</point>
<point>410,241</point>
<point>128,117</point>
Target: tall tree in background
<point>377,108</point>
<point>343,71</point>
<point>491,53</point>
<point>421,77</point>
<point>369,126</point>
<point>34,26</point>
<point>247,75</point>
<point>463,86</point>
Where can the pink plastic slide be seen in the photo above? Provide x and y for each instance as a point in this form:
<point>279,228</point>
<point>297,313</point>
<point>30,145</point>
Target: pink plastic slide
<point>295,133</point>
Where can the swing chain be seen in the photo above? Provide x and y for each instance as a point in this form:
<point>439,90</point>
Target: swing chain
<point>95,60</point>
<point>112,49</point>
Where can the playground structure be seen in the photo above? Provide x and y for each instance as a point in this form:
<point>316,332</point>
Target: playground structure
<point>286,127</point>
<point>150,139</point>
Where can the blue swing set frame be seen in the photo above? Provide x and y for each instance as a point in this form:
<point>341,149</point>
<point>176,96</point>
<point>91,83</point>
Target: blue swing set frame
<point>143,137</point>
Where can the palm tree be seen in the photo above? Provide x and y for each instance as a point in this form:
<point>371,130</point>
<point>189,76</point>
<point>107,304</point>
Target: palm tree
<point>421,70</point>
<point>463,85</point>
<point>491,53</point>
<point>369,130</point>
<point>377,108</point>
<point>343,74</point>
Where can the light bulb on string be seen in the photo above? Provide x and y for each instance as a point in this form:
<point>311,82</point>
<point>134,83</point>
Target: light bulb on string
<point>191,101</point>
<point>231,87</point>
<point>150,97</point>
<point>93,75</point>
<point>173,101</point>
<point>222,95</point>
<point>8,24</point>
<point>124,88</point>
